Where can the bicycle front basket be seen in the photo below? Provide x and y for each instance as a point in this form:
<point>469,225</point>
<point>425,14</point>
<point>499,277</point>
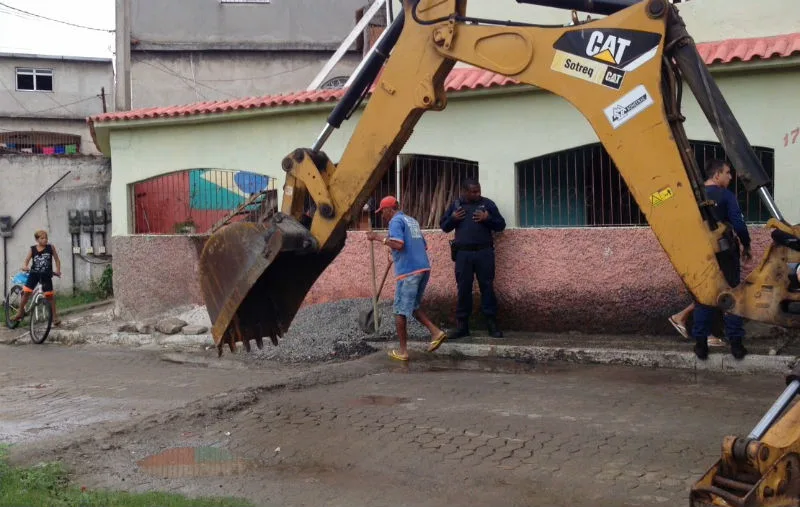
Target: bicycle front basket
<point>20,278</point>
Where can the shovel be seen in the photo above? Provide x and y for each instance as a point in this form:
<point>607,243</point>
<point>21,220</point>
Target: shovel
<point>366,318</point>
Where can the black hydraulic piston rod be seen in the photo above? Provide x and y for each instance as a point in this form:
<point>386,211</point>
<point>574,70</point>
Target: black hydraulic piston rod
<point>730,134</point>
<point>602,7</point>
<point>363,80</point>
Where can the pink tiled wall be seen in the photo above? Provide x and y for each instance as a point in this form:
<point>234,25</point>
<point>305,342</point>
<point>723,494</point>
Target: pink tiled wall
<point>615,280</point>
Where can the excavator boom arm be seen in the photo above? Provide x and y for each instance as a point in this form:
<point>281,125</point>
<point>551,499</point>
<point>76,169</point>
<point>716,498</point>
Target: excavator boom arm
<point>622,72</point>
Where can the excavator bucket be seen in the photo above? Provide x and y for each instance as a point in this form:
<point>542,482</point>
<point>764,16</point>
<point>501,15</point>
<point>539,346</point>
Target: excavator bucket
<point>255,276</point>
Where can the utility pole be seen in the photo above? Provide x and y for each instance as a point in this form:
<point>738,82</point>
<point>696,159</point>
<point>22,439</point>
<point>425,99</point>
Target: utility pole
<point>103,98</point>
<point>122,93</point>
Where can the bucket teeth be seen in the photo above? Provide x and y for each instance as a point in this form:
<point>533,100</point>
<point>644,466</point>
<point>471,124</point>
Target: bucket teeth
<point>254,278</point>
<point>260,343</point>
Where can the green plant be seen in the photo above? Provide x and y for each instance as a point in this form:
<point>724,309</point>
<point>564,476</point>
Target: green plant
<point>48,485</point>
<point>105,287</point>
<point>186,227</point>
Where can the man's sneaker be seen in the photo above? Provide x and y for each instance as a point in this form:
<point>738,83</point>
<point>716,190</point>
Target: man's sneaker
<point>737,349</point>
<point>701,350</point>
<point>459,332</point>
<point>494,331</point>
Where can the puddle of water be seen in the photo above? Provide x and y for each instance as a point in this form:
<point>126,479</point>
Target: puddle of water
<point>383,401</point>
<point>488,365</point>
<point>194,462</point>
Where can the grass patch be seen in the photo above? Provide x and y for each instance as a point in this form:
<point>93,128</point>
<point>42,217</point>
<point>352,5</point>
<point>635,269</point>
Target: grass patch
<point>65,301</point>
<point>48,485</point>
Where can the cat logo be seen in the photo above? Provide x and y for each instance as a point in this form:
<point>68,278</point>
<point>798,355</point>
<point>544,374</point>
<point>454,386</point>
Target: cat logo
<point>622,49</point>
<point>607,47</point>
<point>613,78</point>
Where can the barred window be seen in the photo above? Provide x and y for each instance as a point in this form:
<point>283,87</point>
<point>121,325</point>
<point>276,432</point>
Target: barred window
<point>582,187</point>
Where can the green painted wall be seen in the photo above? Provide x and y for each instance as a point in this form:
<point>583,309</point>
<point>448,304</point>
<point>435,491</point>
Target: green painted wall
<point>496,130</point>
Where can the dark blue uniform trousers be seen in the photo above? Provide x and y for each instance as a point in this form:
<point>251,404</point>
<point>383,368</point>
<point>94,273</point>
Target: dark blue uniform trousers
<point>471,264</point>
<point>704,315</point>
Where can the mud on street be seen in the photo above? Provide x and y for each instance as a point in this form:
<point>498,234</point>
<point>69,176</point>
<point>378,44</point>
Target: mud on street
<point>372,432</point>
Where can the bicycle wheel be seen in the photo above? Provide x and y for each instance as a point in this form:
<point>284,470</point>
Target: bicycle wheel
<point>41,320</point>
<point>11,306</point>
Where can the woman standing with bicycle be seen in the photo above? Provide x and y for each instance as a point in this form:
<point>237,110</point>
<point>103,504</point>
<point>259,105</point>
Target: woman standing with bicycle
<point>41,255</point>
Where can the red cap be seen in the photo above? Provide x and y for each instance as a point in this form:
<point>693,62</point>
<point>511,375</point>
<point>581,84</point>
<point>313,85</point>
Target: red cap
<point>386,202</point>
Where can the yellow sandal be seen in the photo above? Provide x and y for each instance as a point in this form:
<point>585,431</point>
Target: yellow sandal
<point>395,355</point>
<point>440,338</point>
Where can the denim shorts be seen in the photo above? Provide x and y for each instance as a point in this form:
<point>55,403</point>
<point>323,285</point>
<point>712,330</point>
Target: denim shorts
<point>408,294</point>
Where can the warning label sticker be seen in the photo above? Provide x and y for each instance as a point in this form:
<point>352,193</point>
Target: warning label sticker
<point>658,198</point>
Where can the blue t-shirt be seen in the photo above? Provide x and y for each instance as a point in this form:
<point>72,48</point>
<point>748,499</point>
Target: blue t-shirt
<point>413,257</point>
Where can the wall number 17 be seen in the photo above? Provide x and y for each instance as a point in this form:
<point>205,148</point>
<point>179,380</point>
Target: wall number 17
<point>791,135</point>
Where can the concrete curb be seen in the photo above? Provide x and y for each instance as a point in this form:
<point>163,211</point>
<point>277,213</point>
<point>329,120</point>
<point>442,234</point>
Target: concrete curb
<point>722,362</point>
<point>75,337</point>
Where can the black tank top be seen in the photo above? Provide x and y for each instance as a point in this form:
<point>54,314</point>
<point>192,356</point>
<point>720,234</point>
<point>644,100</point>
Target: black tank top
<point>42,262</point>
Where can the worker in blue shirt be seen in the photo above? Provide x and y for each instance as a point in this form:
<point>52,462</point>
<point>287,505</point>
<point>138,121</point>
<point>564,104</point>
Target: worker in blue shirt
<point>474,218</point>
<point>412,269</point>
<point>727,211</point>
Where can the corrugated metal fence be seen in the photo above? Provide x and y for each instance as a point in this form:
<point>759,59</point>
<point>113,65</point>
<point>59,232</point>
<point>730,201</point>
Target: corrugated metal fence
<point>194,200</point>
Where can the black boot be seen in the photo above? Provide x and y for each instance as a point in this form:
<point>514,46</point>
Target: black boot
<point>460,331</point>
<point>494,331</point>
<point>737,349</point>
<point>701,349</point>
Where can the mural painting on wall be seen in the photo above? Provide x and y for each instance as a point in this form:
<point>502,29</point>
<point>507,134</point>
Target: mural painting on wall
<point>192,200</point>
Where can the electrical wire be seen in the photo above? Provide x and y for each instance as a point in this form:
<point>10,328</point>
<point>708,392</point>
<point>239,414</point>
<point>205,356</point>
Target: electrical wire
<point>56,20</point>
<point>229,80</point>
<point>14,96</point>
<point>65,105</point>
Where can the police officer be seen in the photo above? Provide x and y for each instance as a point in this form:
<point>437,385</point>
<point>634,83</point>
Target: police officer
<point>727,210</point>
<point>474,218</point>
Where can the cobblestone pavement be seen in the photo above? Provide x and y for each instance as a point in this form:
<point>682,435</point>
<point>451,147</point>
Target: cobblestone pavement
<point>430,435</point>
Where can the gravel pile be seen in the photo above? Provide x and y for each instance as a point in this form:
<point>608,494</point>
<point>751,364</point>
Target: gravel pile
<point>330,331</point>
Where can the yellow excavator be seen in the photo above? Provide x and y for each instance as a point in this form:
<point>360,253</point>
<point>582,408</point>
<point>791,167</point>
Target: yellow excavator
<point>625,72</point>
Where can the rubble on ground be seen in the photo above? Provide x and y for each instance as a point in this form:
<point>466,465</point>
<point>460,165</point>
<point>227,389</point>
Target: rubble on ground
<point>170,325</point>
<point>330,330</point>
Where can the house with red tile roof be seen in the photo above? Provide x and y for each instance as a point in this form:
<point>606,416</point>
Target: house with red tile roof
<point>575,232</point>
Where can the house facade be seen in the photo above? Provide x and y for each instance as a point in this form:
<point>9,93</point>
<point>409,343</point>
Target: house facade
<point>52,171</point>
<point>186,51</point>
<point>45,100</point>
<point>578,254</point>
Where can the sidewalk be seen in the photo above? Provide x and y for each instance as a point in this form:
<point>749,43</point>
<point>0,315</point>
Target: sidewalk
<point>770,351</point>
<point>767,354</point>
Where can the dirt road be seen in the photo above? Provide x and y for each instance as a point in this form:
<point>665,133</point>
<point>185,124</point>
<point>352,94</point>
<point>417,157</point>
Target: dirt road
<point>373,432</point>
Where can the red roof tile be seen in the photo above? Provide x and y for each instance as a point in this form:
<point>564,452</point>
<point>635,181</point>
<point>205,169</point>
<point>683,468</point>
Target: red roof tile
<point>459,79</point>
<point>745,50</point>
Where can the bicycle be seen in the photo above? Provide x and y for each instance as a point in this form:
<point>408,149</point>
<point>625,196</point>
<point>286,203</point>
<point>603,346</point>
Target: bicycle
<point>38,307</point>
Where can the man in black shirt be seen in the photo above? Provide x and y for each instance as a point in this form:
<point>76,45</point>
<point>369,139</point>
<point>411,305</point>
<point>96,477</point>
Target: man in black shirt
<point>474,218</point>
<point>727,211</point>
